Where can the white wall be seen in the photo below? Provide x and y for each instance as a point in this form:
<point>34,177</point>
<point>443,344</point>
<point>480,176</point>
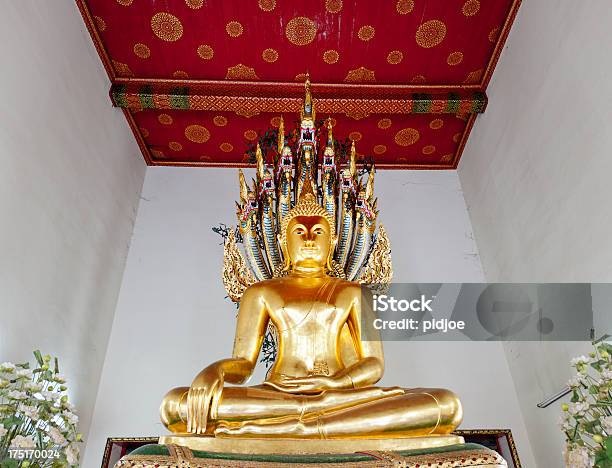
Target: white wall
<point>69,189</point>
<point>172,318</point>
<point>536,176</point>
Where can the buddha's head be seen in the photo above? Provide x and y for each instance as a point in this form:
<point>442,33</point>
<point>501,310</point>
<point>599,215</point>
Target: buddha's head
<point>308,236</point>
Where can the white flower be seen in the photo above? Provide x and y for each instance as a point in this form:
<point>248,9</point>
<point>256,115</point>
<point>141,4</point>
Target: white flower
<point>59,378</point>
<point>3,431</point>
<point>57,436</point>
<point>564,424</point>
<point>70,417</point>
<point>30,411</point>
<point>17,395</point>
<point>72,454</point>
<point>33,387</point>
<point>23,442</point>
<point>607,424</point>
<point>7,367</point>
<point>606,375</point>
<point>578,408</point>
<point>580,360</point>
<point>574,381</point>
<point>50,396</point>
<point>25,373</point>
<point>579,457</point>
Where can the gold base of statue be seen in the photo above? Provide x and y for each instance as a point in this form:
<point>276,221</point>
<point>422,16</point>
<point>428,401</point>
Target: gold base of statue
<point>253,446</point>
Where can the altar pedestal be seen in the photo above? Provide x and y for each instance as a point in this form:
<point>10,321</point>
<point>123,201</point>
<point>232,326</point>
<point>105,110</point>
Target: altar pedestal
<point>449,456</point>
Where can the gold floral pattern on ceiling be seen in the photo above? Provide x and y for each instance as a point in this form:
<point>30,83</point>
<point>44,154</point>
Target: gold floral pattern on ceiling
<point>167,27</point>
<point>333,6</point>
<point>267,5</point>
<point>331,56</point>
<point>407,136</point>
<point>301,31</point>
<point>360,75</point>
<point>234,29</point>
<point>241,72</point>
<point>197,133</point>
<point>269,55</point>
<point>205,52</point>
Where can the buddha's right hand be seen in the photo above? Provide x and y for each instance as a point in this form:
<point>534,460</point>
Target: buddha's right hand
<point>204,392</point>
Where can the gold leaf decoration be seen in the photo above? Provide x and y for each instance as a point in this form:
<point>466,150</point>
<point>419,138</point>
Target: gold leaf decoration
<point>360,75</point>
<point>205,52</point>
<point>241,72</point>
<point>380,149</point>
<point>250,135</point>
<point>456,137</point>
<point>197,133</point>
<point>331,56</point>
<point>395,57</point>
<point>429,149</point>
<point>180,74</point>
<point>379,268</point>
<point>355,136</point>
<point>220,120</point>
<point>122,69</point>
<point>436,124</point>
<point>366,33</point>
<point>404,7</point>
<point>418,79</point>
<point>301,31</point>
<point>384,123</point>
<point>234,29</point>
<point>194,4</point>
<point>237,276</point>
<point>141,51</point>
<point>471,7</point>
<point>144,132</point>
<point>454,58</point>
<point>164,119</point>
<point>430,33</point>
<point>493,34</point>
<point>447,158</point>
<point>175,146</point>
<point>333,6</point>
<point>100,23</point>
<point>125,2</point>
<point>474,76</point>
<point>226,147</point>
<point>167,27</point>
<point>407,136</point>
<point>267,5</point>
<point>269,55</point>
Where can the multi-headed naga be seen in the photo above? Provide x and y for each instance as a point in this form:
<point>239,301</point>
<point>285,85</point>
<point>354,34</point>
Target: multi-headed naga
<point>360,254</point>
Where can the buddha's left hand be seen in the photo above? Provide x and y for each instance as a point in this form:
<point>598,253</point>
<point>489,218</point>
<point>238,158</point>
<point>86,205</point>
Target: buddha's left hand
<point>310,384</point>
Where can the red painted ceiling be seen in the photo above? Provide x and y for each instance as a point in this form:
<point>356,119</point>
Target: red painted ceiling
<point>358,49</point>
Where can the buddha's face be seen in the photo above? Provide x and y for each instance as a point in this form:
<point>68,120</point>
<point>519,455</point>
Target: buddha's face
<point>308,241</point>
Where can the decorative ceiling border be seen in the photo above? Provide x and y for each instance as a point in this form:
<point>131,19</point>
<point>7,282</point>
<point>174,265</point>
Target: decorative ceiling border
<point>139,97</point>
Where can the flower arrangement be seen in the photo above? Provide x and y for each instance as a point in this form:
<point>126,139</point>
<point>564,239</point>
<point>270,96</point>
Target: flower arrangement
<point>587,420</point>
<point>38,426</point>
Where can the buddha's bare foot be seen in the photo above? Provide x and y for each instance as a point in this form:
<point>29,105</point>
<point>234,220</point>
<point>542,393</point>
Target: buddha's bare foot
<point>286,427</point>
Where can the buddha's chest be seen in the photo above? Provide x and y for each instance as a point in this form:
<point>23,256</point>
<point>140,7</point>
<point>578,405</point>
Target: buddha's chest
<point>308,316</point>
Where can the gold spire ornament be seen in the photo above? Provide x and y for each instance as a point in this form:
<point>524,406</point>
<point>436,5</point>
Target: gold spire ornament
<point>300,273</point>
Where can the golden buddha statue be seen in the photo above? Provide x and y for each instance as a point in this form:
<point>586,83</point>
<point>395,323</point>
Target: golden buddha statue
<point>321,385</point>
